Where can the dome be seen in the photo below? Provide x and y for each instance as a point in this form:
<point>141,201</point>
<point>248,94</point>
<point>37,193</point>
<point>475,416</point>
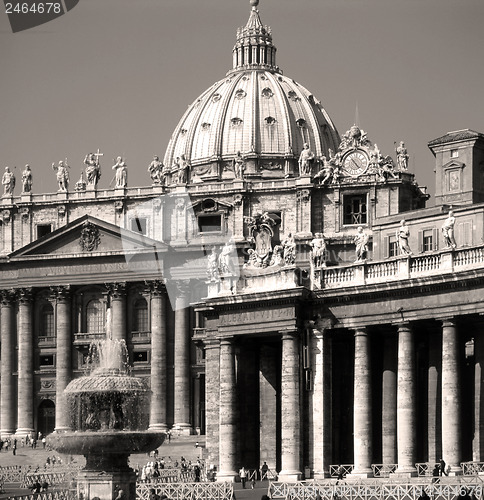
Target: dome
<point>255,109</point>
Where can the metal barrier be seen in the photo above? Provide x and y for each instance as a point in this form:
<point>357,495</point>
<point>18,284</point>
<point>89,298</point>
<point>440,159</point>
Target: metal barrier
<point>383,470</point>
<point>334,470</point>
<point>48,495</point>
<point>11,474</point>
<point>472,468</point>
<point>373,491</point>
<point>181,491</point>
<point>51,478</point>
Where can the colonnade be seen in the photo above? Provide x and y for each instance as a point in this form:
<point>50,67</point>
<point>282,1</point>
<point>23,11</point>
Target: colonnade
<point>17,372</point>
<point>398,400</point>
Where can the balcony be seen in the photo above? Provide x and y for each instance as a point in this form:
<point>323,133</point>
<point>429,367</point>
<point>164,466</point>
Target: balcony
<point>87,338</point>
<point>400,268</point>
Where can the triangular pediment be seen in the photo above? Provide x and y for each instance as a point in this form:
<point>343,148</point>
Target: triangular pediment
<point>89,236</point>
<point>453,164</point>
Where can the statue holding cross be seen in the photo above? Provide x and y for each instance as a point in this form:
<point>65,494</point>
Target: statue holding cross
<point>93,168</point>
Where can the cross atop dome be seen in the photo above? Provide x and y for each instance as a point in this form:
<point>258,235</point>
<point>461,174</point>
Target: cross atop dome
<point>254,48</point>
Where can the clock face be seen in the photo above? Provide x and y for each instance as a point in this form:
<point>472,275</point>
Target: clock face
<point>355,163</point>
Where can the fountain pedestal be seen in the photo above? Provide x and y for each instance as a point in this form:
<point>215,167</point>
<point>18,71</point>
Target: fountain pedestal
<point>106,485</point>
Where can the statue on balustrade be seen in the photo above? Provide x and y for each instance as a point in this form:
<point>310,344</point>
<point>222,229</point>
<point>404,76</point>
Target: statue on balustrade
<point>62,175</point>
<point>121,176</point>
<point>448,231</point>
<point>403,234</point>
<point>239,165</point>
<point>318,249</point>
<point>212,265</point>
<point>8,181</point>
<point>93,168</point>
<point>183,170</point>
<point>227,259</point>
<point>305,160</point>
<point>27,180</point>
<point>361,242</point>
<point>402,156</point>
<point>157,172</point>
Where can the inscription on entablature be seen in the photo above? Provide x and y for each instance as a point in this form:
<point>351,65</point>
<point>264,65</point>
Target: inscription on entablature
<point>265,315</point>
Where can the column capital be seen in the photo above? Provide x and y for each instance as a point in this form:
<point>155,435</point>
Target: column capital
<point>116,290</point>
<point>360,331</point>
<point>448,322</point>
<point>226,340</point>
<point>7,297</point>
<point>403,326</point>
<point>61,293</point>
<point>289,334</point>
<point>25,295</point>
<point>211,344</point>
<point>155,287</point>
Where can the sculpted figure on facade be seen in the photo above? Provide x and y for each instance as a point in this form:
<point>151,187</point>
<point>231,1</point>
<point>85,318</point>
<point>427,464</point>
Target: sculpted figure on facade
<point>157,171</point>
<point>305,160</point>
<point>326,174</point>
<point>121,175</point>
<point>8,181</point>
<point>226,263</point>
<point>402,157</point>
<point>403,234</point>
<point>239,165</point>
<point>62,175</point>
<point>27,180</point>
<point>354,138</point>
<point>212,265</point>
<point>289,250</point>
<point>93,169</point>
<point>361,242</point>
<point>183,170</point>
<point>318,249</point>
<point>448,231</point>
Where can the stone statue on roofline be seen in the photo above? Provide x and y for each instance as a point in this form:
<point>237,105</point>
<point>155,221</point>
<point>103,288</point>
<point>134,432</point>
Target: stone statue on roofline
<point>121,175</point>
<point>402,157</point>
<point>183,170</point>
<point>448,231</point>
<point>27,179</point>
<point>157,172</point>
<point>212,265</point>
<point>318,249</point>
<point>62,175</point>
<point>8,182</point>
<point>403,234</point>
<point>361,242</point>
<point>239,165</point>
<point>305,160</point>
<point>93,168</point>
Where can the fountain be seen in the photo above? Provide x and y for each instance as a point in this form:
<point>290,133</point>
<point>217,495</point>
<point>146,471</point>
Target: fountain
<point>107,424</point>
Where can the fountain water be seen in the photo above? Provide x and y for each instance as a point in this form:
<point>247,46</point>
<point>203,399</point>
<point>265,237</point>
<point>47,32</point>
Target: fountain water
<point>106,409</point>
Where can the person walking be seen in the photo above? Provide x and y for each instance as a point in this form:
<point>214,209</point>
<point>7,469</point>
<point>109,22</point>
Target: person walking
<point>243,476</point>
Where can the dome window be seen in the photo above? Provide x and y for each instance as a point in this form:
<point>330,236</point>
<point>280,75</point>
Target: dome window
<point>183,131</point>
<point>236,122</point>
<point>301,122</point>
<point>267,92</point>
<point>270,120</point>
<point>293,96</point>
<point>240,94</point>
<point>216,97</point>
<point>206,126</point>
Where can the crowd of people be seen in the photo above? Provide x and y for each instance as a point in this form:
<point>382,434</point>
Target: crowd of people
<point>151,470</point>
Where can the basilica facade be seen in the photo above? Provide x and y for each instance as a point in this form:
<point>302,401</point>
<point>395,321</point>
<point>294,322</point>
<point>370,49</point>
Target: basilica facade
<point>282,288</point>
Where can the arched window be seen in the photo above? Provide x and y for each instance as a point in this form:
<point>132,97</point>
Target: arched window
<point>46,327</point>
<point>140,316</point>
<point>96,321</point>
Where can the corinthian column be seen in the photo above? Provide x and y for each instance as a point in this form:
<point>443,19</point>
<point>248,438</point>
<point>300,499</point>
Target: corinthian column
<point>290,411</point>
<point>362,422</point>
<point>182,359</point>
<point>117,293</point>
<point>158,356</point>
<point>25,403</point>
<point>63,357</point>
<point>451,397</point>
<point>7,349</point>
<point>227,413</point>
<point>406,401</point>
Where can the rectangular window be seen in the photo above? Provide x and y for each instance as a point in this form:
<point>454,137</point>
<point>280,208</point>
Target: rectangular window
<point>140,356</point>
<point>43,229</point>
<point>209,223</point>
<point>392,246</point>
<point>46,360</point>
<point>355,210</point>
<point>428,241</point>
<point>138,225</point>
<point>454,153</point>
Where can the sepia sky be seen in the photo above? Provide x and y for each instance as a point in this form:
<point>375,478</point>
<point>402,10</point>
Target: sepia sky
<point>118,75</point>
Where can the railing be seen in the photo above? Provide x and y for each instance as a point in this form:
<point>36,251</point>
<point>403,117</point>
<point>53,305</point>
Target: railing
<point>472,468</point>
<point>373,490</point>
<point>51,478</point>
<point>343,470</point>
<point>447,261</point>
<point>181,491</point>
<point>48,495</point>
<point>425,468</point>
<point>11,474</point>
<point>176,476</point>
<point>383,470</point>
<point>89,336</point>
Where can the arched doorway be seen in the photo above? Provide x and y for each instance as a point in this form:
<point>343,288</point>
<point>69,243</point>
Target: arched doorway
<point>46,417</point>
